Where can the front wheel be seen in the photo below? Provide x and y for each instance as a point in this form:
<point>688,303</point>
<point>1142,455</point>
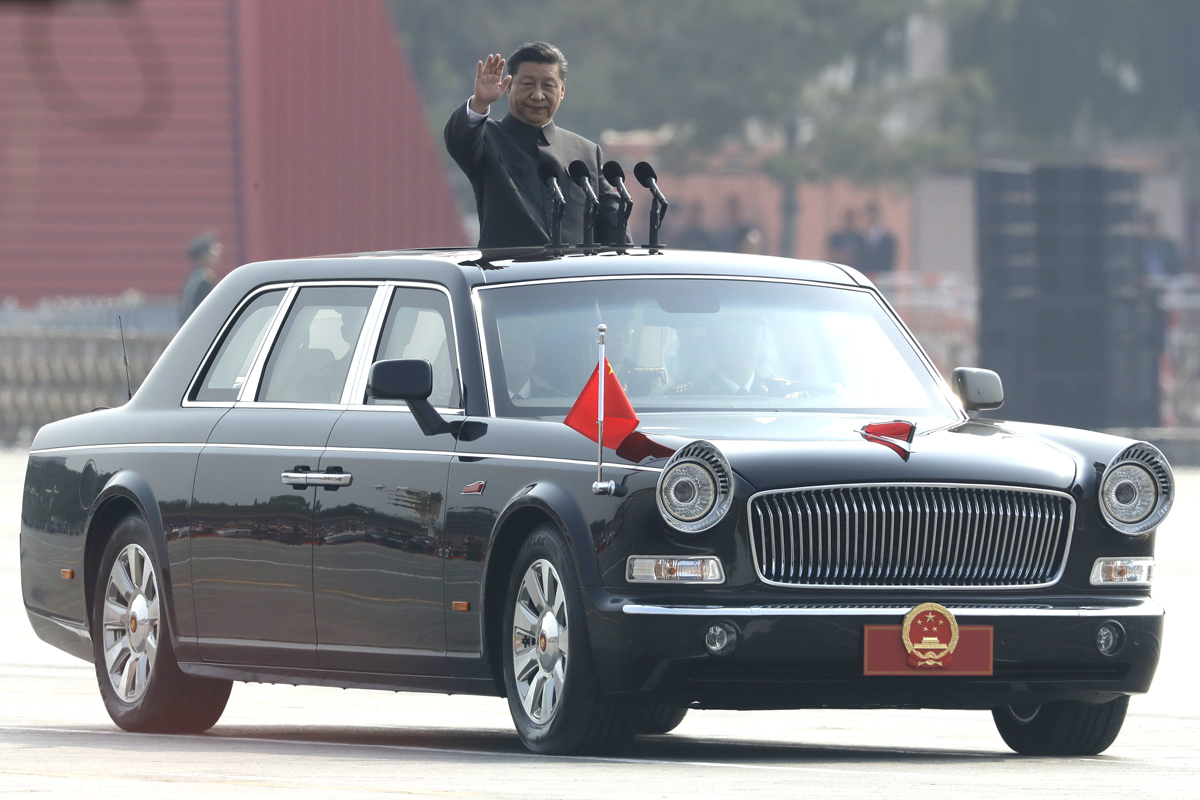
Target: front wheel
<point>553,691</point>
<point>141,683</point>
<point>1065,728</point>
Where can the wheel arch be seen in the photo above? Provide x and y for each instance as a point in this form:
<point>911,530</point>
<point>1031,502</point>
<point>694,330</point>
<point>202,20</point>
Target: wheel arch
<point>126,493</point>
<point>534,505</point>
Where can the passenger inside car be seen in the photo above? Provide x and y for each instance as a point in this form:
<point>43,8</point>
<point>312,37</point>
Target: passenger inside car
<point>312,359</point>
<point>518,348</point>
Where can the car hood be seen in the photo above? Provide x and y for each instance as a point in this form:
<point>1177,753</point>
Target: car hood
<point>773,452</point>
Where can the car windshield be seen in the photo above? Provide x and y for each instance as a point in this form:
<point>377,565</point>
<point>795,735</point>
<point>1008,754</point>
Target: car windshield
<point>681,344</point>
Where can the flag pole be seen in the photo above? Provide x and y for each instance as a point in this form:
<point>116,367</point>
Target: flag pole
<point>601,486</point>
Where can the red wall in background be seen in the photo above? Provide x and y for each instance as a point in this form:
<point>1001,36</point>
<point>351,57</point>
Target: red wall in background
<point>291,127</point>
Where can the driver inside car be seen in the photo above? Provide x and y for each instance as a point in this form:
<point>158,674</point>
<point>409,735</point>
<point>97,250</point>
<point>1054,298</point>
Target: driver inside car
<point>737,344</point>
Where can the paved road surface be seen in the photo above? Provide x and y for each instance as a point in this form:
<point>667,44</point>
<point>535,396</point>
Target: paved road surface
<point>55,738</point>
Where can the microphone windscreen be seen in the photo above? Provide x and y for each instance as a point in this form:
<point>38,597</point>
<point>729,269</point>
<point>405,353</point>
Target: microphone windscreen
<point>613,172</point>
<point>644,173</point>
<point>547,170</point>
<point>579,171</point>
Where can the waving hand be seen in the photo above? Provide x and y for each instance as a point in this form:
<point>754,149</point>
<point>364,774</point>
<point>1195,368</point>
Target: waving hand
<point>490,83</point>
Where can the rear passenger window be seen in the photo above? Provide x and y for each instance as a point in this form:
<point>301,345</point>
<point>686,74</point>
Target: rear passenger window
<point>228,370</point>
<point>311,358</point>
<point>418,326</point>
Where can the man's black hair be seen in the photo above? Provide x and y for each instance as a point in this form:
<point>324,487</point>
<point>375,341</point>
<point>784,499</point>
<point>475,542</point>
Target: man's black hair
<point>538,53</point>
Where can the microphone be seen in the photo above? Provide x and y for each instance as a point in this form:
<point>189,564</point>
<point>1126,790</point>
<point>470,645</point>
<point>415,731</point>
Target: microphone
<point>647,177</point>
<point>582,176</point>
<point>580,173</point>
<point>616,176</point>
<point>548,175</point>
<point>658,208</point>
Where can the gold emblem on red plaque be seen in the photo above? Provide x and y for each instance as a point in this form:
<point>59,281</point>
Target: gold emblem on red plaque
<point>930,634</point>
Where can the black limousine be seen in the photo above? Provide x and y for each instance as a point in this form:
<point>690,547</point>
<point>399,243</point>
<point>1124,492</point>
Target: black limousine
<point>353,471</point>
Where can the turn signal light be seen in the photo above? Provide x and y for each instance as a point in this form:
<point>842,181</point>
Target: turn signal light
<point>661,569</point>
<point>1138,571</point>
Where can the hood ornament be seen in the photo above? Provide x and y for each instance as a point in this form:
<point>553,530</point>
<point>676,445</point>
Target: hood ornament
<point>896,435</point>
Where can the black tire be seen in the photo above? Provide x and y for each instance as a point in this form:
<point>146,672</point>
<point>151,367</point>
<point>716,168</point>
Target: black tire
<point>1067,728</point>
<point>657,719</point>
<point>584,720</point>
<point>167,701</point>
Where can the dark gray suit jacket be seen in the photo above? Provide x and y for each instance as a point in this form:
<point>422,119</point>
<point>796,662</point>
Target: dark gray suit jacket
<point>501,159</point>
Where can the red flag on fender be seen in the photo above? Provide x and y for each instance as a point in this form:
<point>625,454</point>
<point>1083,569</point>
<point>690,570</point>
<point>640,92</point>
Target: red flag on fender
<point>620,420</point>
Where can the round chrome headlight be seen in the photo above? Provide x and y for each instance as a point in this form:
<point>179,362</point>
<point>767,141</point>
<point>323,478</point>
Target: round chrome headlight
<point>1129,493</point>
<point>688,491</point>
<point>695,488</point>
<point>1136,490</point>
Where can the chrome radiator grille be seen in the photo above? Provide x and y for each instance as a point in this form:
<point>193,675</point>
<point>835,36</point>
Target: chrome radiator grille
<point>910,536</point>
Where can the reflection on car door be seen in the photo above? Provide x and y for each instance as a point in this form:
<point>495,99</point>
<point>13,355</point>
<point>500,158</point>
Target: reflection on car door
<point>253,503</point>
<point>377,566</point>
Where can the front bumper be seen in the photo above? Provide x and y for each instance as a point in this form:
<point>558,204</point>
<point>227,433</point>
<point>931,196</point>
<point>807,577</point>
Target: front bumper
<point>811,656</point>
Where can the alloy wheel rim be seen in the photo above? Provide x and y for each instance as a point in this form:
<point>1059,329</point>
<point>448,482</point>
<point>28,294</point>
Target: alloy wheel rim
<point>540,641</point>
<point>131,623</point>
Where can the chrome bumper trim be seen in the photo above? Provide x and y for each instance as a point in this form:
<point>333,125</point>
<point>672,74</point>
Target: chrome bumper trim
<point>1143,608</point>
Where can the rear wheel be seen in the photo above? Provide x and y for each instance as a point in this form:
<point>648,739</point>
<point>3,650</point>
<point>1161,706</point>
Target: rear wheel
<point>141,683</point>
<point>554,694</point>
<point>1067,728</point>
<point>661,719</point>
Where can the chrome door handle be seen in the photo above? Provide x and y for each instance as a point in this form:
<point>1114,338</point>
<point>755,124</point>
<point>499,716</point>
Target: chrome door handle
<point>295,479</point>
<point>329,478</point>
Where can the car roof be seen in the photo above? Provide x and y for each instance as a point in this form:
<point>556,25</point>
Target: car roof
<point>454,266</point>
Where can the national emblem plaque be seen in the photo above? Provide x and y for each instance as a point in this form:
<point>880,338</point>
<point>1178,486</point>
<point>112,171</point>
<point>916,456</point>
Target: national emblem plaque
<point>930,634</point>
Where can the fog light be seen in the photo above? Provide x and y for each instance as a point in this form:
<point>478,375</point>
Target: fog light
<point>662,569</point>
<point>1135,571</point>
<point>1110,638</point>
<point>721,638</point>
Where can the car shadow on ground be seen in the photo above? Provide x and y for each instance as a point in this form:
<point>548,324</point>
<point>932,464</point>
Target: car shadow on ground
<point>664,748</point>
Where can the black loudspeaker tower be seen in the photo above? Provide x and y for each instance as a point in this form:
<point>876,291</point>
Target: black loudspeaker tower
<point>1064,316</point>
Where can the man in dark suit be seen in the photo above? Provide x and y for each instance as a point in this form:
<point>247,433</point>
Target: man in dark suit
<point>502,158</point>
<point>877,255</point>
<point>737,341</point>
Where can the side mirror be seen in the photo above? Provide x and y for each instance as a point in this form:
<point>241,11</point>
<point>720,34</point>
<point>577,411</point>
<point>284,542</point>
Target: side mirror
<point>978,389</point>
<point>410,380</point>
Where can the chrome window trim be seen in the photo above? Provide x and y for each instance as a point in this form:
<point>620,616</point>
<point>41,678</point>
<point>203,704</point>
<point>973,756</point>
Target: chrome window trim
<point>275,404</point>
<point>1145,607</point>
<point>904,587</point>
<point>369,332</point>
<point>358,382</point>
<point>220,337</point>
<point>922,356</point>
<point>250,387</point>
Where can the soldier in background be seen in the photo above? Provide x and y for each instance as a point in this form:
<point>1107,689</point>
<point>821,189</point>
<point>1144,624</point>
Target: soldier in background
<point>205,254</point>
<point>878,254</point>
<point>845,245</point>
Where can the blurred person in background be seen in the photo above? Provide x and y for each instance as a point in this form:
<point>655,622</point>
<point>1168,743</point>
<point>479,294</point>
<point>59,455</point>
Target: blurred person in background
<point>1160,256</point>
<point>205,254</point>
<point>878,254</point>
<point>845,245</point>
<point>501,158</point>
<point>733,232</point>
<point>692,234</point>
<point>751,240</point>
